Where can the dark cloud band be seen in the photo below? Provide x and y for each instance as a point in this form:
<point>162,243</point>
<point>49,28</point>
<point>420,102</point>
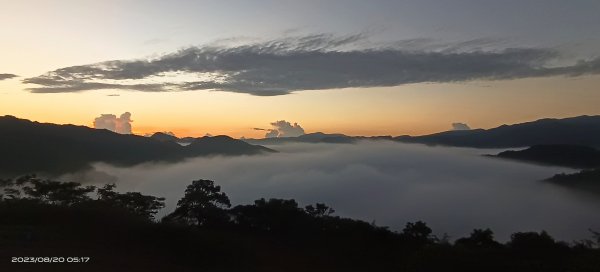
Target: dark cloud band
<point>310,63</point>
<point>7,76</point>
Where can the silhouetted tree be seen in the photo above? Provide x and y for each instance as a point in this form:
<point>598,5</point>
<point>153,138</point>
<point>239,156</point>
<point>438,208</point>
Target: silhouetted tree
<point>319,210</point>
<point>536,245</point>
<point>54,192</point>
<point>270,215</point>
<point>203,204</point>
<point>417,234</point>
<point>144,205</point>
<point>479,238</point>
<point>107,192</point>
<point>531,240</point>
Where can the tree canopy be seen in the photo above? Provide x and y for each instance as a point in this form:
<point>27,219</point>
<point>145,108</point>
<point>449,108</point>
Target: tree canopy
<point>202,204</point>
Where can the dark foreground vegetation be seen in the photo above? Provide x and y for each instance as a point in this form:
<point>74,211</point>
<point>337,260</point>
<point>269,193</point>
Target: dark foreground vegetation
<point>119,232</point>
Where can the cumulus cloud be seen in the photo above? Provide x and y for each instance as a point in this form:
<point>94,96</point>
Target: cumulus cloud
<point>272,134</point>
<point>121,124</point>
<point>312,62</point>
<point>7,76</point>
<point>283,128</point>
<point>452,189</point>
<point>460,126</point>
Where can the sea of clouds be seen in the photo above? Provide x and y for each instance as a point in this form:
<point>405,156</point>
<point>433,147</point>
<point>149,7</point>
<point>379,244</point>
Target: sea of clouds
<point>452,189</point>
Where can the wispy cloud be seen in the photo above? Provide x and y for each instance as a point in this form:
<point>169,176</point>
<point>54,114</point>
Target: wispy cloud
<point>312,62</point>
<point>7,76</point>
<point>155,41</point>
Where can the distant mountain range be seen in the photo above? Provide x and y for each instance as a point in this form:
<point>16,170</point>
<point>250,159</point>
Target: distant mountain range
<point>574,156</point>
<point>317,137</point>
<point>33,147</point>
<point>28,146</point>
<point>581,130</point>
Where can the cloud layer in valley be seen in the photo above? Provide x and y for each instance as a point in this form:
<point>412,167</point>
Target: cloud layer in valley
<point>453,189</point>
<point>111,122</point>
<point>312,62</point>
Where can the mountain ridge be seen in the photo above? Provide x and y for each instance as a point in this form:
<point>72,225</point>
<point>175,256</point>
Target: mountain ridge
<point>578,130</point>
<point>574,156</point>
<point>51,148</point>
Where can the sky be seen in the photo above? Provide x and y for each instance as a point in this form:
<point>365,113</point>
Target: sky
<point>353,67</point>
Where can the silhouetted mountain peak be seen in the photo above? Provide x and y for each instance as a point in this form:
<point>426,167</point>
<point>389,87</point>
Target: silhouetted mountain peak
<point>223,144</point>
<point>161,136</point>
<point>9,117</point>
<point>576,156</point>
<point>214,139</point>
